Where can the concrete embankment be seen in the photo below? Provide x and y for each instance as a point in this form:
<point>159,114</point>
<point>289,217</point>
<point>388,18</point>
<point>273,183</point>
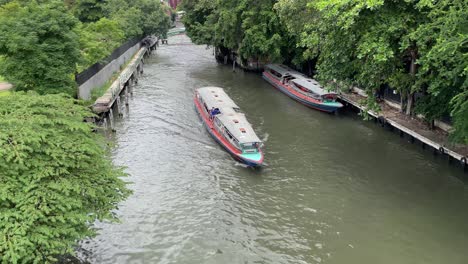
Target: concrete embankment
<point>412,128</point>
<point>122,87</point>
<point>101,77</point>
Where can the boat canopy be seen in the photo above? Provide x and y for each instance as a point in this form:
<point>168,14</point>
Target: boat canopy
<point>230,115</point>
<point>311,85</point>
<point>285,70</point>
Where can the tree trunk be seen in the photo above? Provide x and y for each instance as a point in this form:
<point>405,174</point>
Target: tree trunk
<point>402,102</point>
<point>309,64</point>
<point>409,105</point>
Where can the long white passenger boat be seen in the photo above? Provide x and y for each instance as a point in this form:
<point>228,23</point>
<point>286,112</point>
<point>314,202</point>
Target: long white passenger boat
<point>301,88</point>
<point>228,125</point>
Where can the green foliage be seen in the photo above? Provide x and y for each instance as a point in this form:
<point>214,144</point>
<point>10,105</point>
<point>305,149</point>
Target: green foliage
<point>443,48</point>
<point>43,44</point>
<point>250,28</point>
<point>39,53</point>
<point>115,22</point>
<point>199,20</point>
<point>460,115</point>
<point>56,178</point>
<point>154,19</point>
<point>413,46</point>
<point>88,10</point>
<point>98,40</point>
<point>130,21</point>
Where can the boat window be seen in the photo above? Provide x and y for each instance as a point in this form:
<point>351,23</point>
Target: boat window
<point>236,143</point>
<point>250,147</point>
<point>288,78</point>
<point>302,88</point>
<point>237,109</point>
<point>217,122</point>
<point>277,74</point>
<point>329,97</point>
<point>228,133</point>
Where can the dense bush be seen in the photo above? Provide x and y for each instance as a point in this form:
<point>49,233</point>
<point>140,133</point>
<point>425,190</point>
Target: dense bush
<point>56,178</point>
<point>39,53</point>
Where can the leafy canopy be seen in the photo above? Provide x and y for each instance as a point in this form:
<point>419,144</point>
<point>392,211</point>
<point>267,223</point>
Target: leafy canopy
<point>411,46</point>
<point>56,177</point>
<point>39,52</point>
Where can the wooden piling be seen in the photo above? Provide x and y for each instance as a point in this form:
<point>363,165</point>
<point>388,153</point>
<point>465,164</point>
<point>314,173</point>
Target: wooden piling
<point>119,112</point>
<point>126,96</point>
<point>111,120</point>
<point>130,85</point>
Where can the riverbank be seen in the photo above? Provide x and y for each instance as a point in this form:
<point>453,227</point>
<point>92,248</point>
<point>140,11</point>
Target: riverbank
<point>413,127</point>
<point>389,116</point>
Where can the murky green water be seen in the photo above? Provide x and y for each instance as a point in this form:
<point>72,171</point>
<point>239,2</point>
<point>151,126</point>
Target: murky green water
<point>335,189</point>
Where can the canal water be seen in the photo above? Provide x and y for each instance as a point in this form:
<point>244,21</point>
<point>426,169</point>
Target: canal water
<point>335,189</point>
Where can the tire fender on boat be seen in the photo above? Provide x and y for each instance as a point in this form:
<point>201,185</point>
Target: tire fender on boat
<point>382,120</point>
<point>442,150</point>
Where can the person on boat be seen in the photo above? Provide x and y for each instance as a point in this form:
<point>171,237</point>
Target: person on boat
<point>213,112</point>
<point>285,77</point>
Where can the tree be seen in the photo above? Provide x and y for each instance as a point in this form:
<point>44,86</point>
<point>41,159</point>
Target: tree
<point>412,46</point>
<point>200,19</point>
<point>443,49</point>
<point>130,21</point>
<point>98,40</point>
<point>88,10</point>
<point>39,46</point>
<point>249,28</point>
<point>56,178</point>
<point>154,20</point>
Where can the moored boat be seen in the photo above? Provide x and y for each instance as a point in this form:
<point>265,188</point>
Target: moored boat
<point>228,125</point>
<point>301,88</point>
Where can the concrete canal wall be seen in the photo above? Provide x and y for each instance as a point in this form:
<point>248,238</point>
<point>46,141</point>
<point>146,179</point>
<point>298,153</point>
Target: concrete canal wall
<point>122,87</point>
<point>100,78</point>
<point>413,129</point>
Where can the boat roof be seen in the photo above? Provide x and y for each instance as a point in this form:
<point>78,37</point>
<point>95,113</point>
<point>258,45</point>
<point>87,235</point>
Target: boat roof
<point>312,85</point>
<point>231,116</point>
<point>283,69</point>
